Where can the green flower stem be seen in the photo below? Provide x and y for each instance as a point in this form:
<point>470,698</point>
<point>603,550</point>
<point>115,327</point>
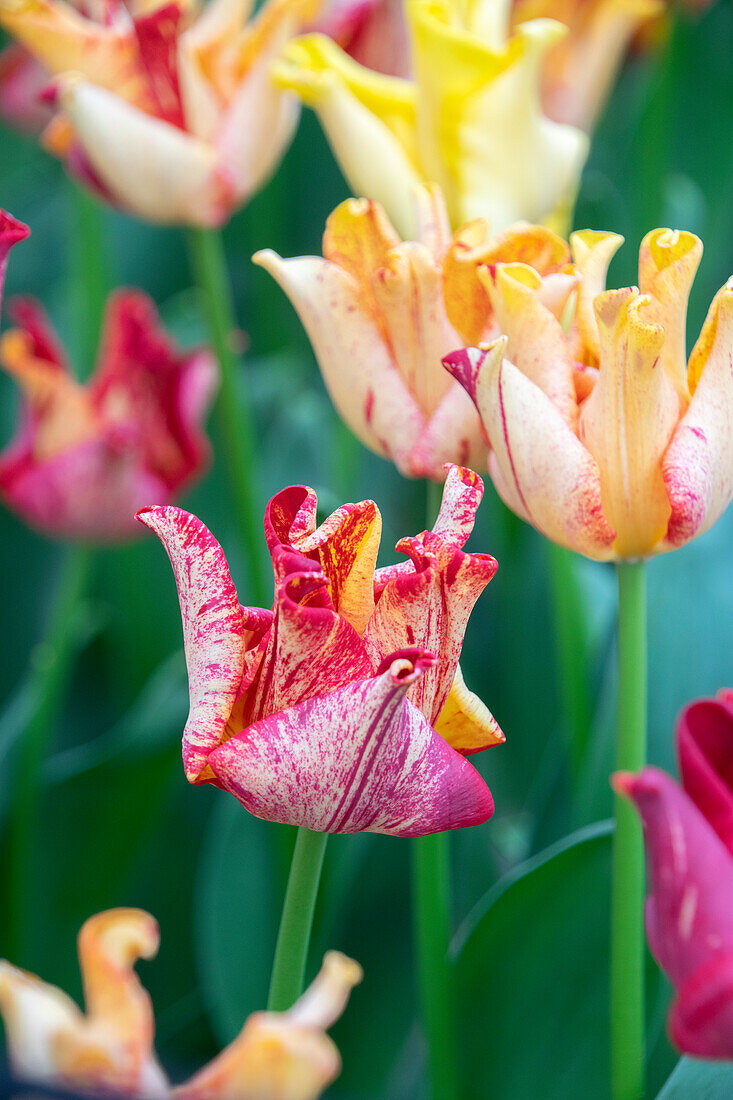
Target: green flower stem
<point>235,419</point>
<point>52,664</point>
<point>293,938</point>
<point>431,915</point>
<point>90,277</point>
<point>573,652</point>
<point>627,902</point>
<point>431,903</point>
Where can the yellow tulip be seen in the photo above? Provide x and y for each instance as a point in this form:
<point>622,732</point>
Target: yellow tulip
<point>470,119</point>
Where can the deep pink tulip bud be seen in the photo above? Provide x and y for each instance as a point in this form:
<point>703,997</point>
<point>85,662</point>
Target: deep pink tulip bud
<point>690,873</point>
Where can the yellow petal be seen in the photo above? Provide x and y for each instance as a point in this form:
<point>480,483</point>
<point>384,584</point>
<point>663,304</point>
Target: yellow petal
<point>698,465</point>
<point>592,253</point>
<point>668,261</point>
<point>359,237</point>
<point>482,135</point>
<point>151,168</point>
<point>465,722</point>
<point>472,247</point>
<point>537,344</point>
<point>367,118</point>
<point>628,421</point>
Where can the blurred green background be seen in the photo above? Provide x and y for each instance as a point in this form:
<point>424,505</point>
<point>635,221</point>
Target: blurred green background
<point>120,825</point>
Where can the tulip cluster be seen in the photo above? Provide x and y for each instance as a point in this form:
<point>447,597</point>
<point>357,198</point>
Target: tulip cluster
<point>689,839</point>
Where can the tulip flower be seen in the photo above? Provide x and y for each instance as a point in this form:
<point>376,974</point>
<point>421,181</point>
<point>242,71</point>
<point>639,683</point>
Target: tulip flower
<point>85,457</point>
<point>109,1047</point>
<point>579,70</point>
<point>689,844</point>
<point>22,81</point>
<point>381,312</point>
<point>607,439</point>
<point>327,711</point>
<point>470,119</point>
<point>168,113</point>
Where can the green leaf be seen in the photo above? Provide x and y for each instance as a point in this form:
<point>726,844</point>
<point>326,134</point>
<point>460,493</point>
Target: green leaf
<point>532,976</point>
<point>694,1080</point>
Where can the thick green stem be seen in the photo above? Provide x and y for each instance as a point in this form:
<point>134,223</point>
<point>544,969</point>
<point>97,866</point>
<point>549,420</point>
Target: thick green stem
<point>627,903</point>
<point>89,274</point>
<point>52,665</point>
<point>431,915</point>
<point>235,419</point>
<point>293,938</point>
<point>431,904</point>
<point>571,629</point>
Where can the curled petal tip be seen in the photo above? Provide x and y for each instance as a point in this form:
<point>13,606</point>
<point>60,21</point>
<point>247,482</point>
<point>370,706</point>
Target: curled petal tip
<point>407,665</point>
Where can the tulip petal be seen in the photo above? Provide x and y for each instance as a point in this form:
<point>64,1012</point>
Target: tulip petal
<point>11,232</point>
<point>465,722</point>
<point>454,433</point>
<point>466,300</point>
<point>463,491</point>
<point>108,1050</point>
<point>283,1056</point>
<point>356,364</point>
<point>310,649</point>
<point>701,1017</point>
<point>154,170</point>
<point>592,253</point>
<point>359,238</point>
<point>368,118</point>
<point>409,295</point>
<point>705,749</point>
<point>496,130</point>
<point>668,261</point>
<point>545,466</point>
<point>537,344</point>
<point>698,465</point>
<point>213,630</point>
<point>628,421</point>
<point>360,759</point>
<point>22,79</point>
<point>430,605</point>
<point>346,546</point>
<point>690,876</point>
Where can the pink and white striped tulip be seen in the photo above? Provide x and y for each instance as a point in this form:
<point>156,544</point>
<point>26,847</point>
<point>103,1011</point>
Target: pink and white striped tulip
<point>689,840</point>
<point>85,457</point>
<point>328,710</point>
<point>605,437</point>
<point>108,1049</point>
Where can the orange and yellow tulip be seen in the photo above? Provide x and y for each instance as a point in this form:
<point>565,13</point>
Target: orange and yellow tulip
<point>606,438</point>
